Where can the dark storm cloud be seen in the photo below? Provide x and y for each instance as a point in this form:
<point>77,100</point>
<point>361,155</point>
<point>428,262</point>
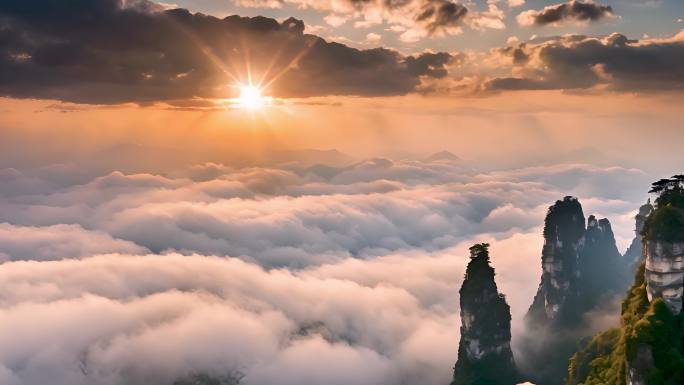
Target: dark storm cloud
<point>113,51</point>
<point>517,53</point>
<point>614,62</point>
<point>430,64</point>
<point>572,10</point>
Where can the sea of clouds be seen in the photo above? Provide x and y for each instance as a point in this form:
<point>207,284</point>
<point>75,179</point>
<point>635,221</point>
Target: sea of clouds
<point>287,274</point>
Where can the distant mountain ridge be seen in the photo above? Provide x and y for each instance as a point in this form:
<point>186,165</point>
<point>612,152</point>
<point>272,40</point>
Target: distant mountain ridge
<point>329,171</point>
<point>442,156</point>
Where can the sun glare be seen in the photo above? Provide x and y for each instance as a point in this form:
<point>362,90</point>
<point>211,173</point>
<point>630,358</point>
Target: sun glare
<point>250,98</point>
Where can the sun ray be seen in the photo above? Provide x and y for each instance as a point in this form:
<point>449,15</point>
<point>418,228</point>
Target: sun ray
<point>291,65</point>
<point>242,76</point>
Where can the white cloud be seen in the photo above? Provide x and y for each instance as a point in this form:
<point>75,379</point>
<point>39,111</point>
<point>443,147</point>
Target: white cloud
<point>412,35</point>
<point>148,319</point>
<point>305,218</point>
<point>291,273</point>
<point>512,40</point>
<point>373,38</point>
<point>335,20</point>
<point>58,242</point>
<point>492,18</point>
<point>526,19</point>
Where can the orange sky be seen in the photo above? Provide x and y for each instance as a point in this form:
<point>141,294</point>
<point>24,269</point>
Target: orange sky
<point>513,128</point>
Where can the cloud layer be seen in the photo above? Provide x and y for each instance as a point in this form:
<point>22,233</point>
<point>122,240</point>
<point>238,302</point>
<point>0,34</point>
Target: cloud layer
<point>305,216</point>
<point>158,318</point>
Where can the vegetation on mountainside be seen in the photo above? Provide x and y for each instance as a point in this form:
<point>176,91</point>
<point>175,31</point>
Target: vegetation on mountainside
<point>667,221</point>
<point>665,224</point>
<point>670,191</point>
<point>596,353</point>
<point>603,361</point>
<point>651,338</point>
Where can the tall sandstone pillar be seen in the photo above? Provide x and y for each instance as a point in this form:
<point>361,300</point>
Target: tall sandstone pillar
<point>484,352</point>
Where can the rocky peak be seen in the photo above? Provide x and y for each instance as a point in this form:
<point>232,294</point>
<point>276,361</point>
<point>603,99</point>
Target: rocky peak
<point>603,271</point>
<point>484,354</point>
<point>599,236</point>
<point>580,265</point>
<point>602,225</point>
<point>564,224</point>
<point>634,252</point>
<point>644,212</point>
<point>581,268</point>
<point>592,222</point>
<point>599,232</point>
<point>563,232</point>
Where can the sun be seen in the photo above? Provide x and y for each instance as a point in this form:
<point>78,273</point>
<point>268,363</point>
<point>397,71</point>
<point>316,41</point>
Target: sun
<point>251,98</point>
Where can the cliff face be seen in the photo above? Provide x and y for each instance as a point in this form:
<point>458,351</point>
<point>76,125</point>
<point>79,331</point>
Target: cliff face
<point>484,352</point>
<point>563,231</point>
<point>581,266</point>
<point>581,269</point>
<point>665,272</point>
